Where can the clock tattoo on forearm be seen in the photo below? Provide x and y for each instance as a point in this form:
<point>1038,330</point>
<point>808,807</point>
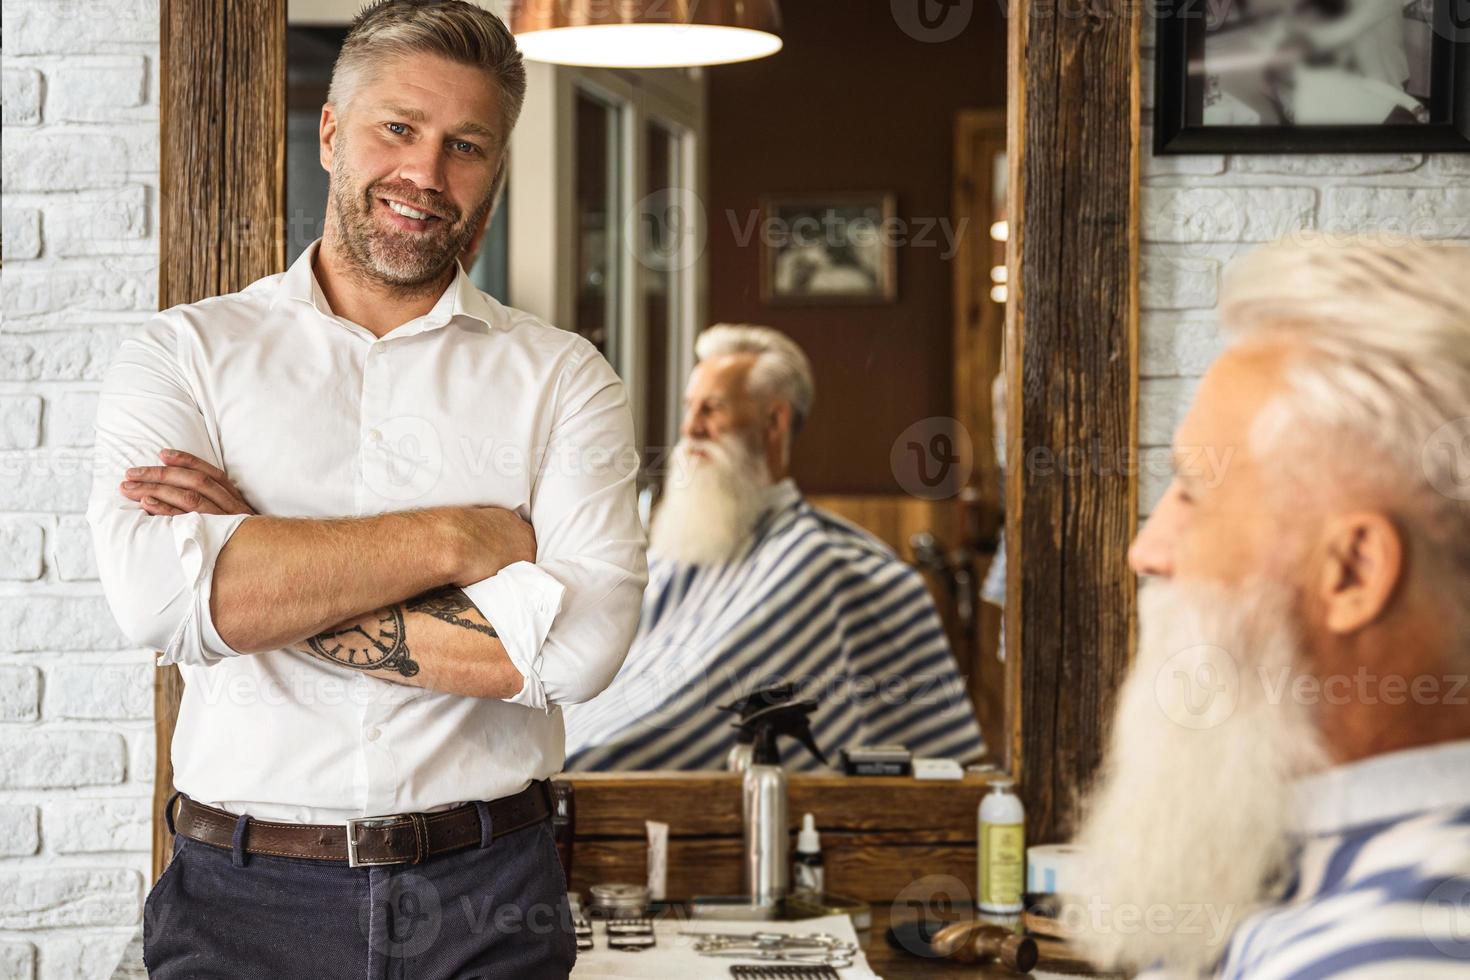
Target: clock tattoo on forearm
<point>374,642</point>
<point>378,641</point>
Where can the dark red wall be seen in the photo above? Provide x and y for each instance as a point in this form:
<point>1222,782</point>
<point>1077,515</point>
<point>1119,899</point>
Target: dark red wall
<point>852,103</point>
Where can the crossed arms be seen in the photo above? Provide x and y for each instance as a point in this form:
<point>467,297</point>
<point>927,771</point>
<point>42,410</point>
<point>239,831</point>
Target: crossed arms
<point>460,599</point>
<point>334,587</point>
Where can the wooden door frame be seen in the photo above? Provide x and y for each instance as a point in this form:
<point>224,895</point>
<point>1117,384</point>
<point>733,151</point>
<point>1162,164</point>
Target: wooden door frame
<point>979,328</point>
<point>1071,333</point>
<point>221,202</point>
<point>1072,354</point>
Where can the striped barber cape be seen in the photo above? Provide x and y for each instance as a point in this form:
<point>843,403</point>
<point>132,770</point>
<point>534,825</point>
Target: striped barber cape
<point>811,600</point>
<point>1382,883</point>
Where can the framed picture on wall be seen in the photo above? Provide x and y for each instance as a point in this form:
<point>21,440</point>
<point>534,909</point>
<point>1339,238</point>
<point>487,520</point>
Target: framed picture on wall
<point>1318,76</point>
<point>828,248</point>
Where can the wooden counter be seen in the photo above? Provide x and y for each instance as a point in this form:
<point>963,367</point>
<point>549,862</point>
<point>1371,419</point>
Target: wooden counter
<point>881,836</point>
<point>900,844</point>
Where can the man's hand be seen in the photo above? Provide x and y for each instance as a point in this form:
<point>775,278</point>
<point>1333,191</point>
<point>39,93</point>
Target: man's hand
<point>485,539</point>
<point>488,539</point>
<point>184,484</point>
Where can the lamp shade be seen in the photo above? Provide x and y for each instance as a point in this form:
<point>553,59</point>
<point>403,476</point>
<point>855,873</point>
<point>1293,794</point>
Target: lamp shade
<point>646,33</point>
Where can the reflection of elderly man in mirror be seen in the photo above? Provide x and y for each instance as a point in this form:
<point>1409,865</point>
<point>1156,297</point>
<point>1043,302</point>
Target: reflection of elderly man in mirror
<point>750,585</point>
<point>1287,792</point>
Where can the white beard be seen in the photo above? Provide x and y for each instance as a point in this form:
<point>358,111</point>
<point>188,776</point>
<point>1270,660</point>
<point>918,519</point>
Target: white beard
<point>709,504</point>
<point>1189,827</point>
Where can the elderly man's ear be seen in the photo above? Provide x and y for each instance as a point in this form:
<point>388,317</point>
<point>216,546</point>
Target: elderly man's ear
<point>778,423</point>
<point>1364,565</point>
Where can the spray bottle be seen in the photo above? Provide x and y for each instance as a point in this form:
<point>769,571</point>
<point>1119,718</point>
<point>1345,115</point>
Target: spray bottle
<point>739,758</point>
<point>767,844</point>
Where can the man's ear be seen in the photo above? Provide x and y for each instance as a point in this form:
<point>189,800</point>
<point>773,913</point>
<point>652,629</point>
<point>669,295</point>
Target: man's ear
<point>778,422</point>
<point>326,132</point>
<point>1362,566</point>
<point>778,428</point>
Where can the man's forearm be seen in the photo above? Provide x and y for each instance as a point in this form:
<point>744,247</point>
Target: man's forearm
<point>437,640</point>
<point>280,580</point>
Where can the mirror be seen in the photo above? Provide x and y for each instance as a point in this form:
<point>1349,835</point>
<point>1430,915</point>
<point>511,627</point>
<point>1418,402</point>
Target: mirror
<point>848,192</point>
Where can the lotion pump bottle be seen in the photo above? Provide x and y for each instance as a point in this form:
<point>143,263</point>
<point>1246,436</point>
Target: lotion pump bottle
<point>1002,850</point>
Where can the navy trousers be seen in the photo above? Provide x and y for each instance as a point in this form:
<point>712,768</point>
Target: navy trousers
<point>494,912</point>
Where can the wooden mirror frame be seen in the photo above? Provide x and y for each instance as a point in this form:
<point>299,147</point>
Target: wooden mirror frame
<point>1071,340</point>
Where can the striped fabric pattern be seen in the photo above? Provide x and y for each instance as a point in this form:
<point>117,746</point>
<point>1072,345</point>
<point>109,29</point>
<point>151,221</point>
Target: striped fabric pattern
<point>812,600</point>
<point>1384,900</point>
<point>1381,877</point>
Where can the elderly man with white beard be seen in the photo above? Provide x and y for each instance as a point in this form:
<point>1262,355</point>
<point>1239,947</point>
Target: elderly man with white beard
<point>751,586</point>
<point>1287,789</point>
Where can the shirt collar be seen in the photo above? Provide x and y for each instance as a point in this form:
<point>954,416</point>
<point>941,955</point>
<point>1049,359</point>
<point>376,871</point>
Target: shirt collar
<point>460,298</point>
<point>775,500</point>
<point>1385,788</point>
<point>780,495</point>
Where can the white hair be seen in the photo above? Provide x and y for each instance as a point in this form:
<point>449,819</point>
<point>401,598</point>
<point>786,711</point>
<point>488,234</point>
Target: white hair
<point>1382,375</point>
<point>781,369</point>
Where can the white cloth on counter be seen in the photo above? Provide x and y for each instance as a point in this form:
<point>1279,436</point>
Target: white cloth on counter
<point>674,958</point>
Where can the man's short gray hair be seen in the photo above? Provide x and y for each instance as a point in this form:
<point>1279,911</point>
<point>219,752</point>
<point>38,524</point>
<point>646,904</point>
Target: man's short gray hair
<point>454,29</point>
<point>781,369</point>
<point>1383,377</point>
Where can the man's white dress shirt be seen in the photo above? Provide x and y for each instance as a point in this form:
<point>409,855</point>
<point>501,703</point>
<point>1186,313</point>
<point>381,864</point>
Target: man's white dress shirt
<point>312,416</point>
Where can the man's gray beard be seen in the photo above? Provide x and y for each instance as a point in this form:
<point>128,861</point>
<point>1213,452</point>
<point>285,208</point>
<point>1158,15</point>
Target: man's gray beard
<point>1190,826</point>
<point>710,505</point>
<point>393,259</point>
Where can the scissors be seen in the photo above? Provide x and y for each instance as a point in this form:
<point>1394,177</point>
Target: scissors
<point>817,948</point>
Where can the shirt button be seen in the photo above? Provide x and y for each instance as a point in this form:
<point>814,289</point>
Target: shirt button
<point>374,435</point>
<point>373,733</point>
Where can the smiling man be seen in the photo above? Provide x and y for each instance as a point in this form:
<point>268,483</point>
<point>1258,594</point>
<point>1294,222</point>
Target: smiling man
<point>386,527</point>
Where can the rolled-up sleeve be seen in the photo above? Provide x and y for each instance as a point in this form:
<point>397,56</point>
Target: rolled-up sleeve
<point>156,571</point>
<point>566,621</point>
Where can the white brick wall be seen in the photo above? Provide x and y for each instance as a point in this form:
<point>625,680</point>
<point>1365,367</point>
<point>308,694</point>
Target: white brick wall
<point>1200,211</point>
<point>80,209</point>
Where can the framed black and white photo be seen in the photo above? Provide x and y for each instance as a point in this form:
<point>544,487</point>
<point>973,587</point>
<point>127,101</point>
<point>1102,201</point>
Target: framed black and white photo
<point>830,248</point>
<point>1319,76</point>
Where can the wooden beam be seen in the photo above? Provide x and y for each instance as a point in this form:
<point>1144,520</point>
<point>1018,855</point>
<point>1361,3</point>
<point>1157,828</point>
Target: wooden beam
<point>222,186</point>
<point>1072,344</point>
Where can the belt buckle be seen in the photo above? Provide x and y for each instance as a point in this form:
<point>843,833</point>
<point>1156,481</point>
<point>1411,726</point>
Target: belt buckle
<point>353,823</point>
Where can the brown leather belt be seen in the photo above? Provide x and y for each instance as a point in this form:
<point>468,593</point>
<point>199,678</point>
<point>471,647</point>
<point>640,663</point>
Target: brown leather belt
<point>402,838</point>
